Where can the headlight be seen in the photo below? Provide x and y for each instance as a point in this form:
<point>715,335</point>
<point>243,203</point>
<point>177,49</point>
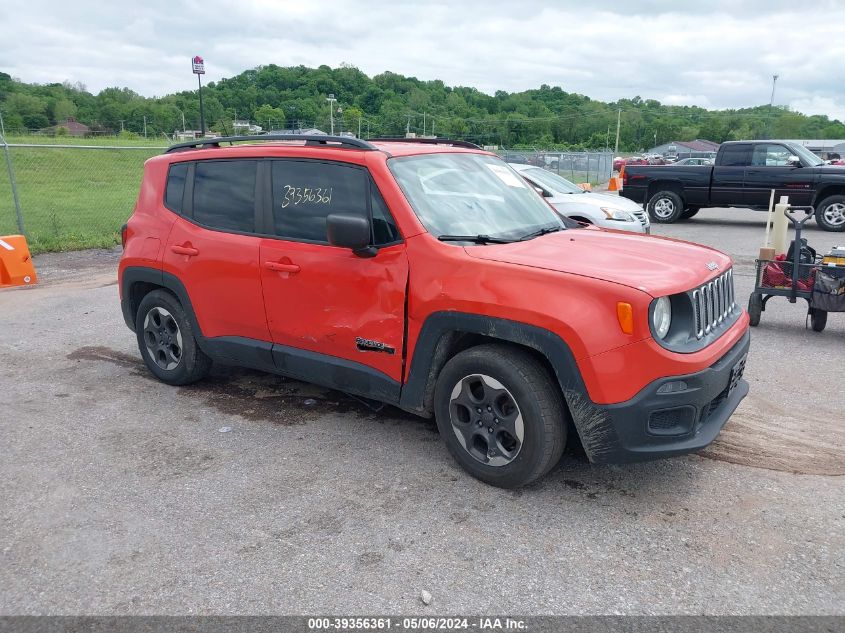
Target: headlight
<point>661,317</point>
<point>618,214</point>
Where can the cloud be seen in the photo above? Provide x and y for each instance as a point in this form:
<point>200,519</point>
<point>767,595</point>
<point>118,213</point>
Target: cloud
<point>716,54</point>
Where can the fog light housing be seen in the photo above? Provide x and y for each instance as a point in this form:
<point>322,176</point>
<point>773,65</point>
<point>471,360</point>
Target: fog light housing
<point>673,386</point>
<point>677,421</point>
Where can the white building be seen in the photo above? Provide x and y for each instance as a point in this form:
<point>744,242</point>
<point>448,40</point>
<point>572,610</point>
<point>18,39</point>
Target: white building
<point>241,127</point>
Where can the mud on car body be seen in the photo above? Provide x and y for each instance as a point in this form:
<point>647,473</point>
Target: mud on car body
<point>430,276</point>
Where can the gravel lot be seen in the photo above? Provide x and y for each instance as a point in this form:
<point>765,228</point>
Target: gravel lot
<point>121,495</point>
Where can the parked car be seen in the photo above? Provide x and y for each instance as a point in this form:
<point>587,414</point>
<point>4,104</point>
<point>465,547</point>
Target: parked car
<point>600,209</point>
<point>429,275</point>
<point>744,174</point>
<point>694,161</point>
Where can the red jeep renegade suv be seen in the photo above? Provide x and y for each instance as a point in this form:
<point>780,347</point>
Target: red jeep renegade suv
<point>430,276</point>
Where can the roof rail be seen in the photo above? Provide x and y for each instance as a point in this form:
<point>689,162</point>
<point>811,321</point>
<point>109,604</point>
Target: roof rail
<point>346,142</point>
<point>426,141</point>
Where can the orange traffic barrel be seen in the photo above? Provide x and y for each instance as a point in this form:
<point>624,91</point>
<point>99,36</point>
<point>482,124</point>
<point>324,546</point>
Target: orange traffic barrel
<point>16,267</point>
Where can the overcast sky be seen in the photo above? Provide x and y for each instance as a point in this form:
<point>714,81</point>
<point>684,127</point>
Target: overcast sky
<point>712,53</point>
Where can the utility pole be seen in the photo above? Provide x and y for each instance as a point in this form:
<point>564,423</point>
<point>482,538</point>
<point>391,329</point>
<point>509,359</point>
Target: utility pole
<point>408,125</point>
<point>331,101</point>
<point>145,126</point>
<point>183,120</point>
<point>618,123</point>
<point>121,125</point>
<point>772,105</point>
<point>359,127</point>
<point>423,123</point>
<point>340,116</point>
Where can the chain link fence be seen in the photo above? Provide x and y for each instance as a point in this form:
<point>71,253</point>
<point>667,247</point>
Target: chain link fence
<point>78,194</point>
<point>65,197</point>
<point>595,168</point>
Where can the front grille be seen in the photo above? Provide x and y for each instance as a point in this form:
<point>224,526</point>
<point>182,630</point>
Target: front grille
<point>712,303</point>
<point>642,217</point>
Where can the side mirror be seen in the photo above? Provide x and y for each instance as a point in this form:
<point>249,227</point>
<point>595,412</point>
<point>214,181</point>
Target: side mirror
<point>794,161</point>
<point>350,231</point>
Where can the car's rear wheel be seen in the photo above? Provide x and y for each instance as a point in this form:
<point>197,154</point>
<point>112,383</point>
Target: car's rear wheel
<point>501,414</point>
<point>665,207</point>
<point>166,340</point>
<point>830,213</point>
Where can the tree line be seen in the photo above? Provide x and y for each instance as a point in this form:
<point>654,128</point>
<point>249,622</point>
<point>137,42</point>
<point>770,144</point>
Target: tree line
<point>389,104</point>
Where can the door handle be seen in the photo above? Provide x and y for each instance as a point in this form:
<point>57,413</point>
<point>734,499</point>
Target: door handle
<point>282,268</point>
<point>184,250</point>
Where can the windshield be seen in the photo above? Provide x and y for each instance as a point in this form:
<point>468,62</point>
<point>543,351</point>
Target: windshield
<point>471,194</point>
<point>806,155</point>
<point>553,182</point>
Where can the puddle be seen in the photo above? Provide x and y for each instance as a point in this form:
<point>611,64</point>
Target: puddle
<point>259,396</point>
<point>108,355</point>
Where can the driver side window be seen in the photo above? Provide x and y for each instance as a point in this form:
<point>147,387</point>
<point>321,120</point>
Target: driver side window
<point>770,156</point>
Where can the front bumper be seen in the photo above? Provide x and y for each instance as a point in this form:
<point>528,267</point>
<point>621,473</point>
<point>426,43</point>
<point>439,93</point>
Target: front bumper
<point>664,422</point>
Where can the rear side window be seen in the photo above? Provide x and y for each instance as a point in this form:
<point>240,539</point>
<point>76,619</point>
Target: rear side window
<point>305,192</point>
<point>224,195</point>
<point>736,156</point>
<point>175,186</point>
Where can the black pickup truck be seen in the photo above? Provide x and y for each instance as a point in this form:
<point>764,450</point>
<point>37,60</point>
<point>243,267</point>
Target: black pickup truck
<point>743,175</point>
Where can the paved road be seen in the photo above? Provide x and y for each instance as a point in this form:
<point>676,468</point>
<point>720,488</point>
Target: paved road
<point>121,495</point>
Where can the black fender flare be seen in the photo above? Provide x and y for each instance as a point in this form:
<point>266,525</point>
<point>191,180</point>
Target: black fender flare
<point>431,352</point>
<point>157,277</point>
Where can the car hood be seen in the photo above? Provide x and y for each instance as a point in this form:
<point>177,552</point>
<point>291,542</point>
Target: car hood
<point>656,265</point>
<point>596,200</point>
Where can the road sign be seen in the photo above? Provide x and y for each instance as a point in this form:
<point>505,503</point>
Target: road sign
<point>198,65</point>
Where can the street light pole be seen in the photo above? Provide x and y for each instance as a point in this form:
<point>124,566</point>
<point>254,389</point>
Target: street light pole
<point>618,123</point>
<point>331,101</point>
<point>772,104</point>
<point>202,110</point>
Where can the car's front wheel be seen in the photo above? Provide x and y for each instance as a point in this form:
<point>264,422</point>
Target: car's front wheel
<point>166,340</point>
<point>501,414</point>
<point>665,207</point>
<point>830,213</point>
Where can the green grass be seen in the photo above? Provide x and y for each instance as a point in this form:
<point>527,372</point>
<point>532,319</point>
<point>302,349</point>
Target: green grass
<point>39,139</point>
<point>72,198</point>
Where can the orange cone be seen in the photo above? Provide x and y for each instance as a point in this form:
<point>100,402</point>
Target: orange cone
<point>613,185</point>
<point>16,267</point>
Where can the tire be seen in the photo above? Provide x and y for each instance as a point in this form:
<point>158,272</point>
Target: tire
<point>688,213</point>
<point>755,309</point>
<point>512,385</point>
<point>166,340</point>
<point>830,213</point>
<point>665,207</point>
<point>818,319</point>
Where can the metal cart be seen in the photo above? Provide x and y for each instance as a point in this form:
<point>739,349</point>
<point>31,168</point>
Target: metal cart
<point>791,279</point>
